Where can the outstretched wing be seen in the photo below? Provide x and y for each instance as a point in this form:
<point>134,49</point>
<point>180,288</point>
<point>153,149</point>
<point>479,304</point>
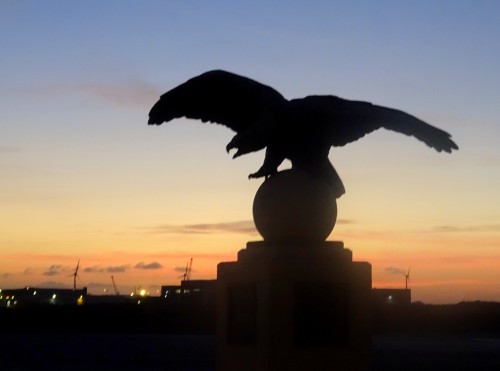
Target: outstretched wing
<point>217,96</point>
<point>348,121</point>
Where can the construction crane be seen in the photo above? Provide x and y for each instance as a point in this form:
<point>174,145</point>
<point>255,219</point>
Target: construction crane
<point>188,270</point>
<point>114,286</point>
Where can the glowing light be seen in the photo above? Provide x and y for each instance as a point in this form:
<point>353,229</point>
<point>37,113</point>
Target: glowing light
<point>142,292</point>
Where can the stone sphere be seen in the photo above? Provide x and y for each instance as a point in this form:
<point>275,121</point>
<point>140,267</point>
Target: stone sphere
<point>292,206</point>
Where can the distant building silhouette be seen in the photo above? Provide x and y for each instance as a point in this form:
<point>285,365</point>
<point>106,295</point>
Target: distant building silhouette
<point>195,292</point>
<point>391,296</point>
<point>11,298</point>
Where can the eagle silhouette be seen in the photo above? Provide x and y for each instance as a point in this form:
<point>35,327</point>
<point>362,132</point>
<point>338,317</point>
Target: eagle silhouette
<point>302,130</point>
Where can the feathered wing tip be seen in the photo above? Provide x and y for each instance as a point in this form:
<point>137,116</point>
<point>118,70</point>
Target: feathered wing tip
<point>154,118</point>
<point>442,142</point>
<point>405,123</point>
<point>435,138</point>
<point>218,97</point>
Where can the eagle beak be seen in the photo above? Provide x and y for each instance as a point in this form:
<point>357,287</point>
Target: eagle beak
<point>237,154</point>
<point>230,146</point>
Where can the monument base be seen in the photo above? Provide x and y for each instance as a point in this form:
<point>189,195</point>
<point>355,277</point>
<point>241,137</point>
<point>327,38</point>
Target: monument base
<point>293,307</point>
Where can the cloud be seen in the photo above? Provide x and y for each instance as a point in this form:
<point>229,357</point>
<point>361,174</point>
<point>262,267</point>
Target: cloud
<point>130,92</point>
<point>53,270</point>
<point>117,269</point>
<point>246,227</point>
<point>243,226</point>
<point>394,270</point>
<point>345,221</point>
<point>110,269</point>
<point>470,228</point>
<point>181,269</point>
<point>152,265</point>
<point>6,275</point>
<point>8,149</point>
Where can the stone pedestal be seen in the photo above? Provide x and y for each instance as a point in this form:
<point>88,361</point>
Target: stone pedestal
<point>293,307</point>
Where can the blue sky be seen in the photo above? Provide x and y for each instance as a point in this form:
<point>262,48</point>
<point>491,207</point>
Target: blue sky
<point>80,168</point>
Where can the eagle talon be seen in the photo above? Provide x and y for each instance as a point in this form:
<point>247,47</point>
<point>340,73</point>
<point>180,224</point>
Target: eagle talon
<point>262,174</point>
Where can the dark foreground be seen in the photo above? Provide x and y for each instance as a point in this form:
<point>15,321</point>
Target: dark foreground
<point>197,352</point>
<point>458,337</point>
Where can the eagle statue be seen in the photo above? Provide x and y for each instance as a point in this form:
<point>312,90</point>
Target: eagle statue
<point>301,130</point>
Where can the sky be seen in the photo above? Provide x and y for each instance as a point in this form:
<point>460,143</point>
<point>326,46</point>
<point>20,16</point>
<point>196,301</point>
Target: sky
<point>84,178</point>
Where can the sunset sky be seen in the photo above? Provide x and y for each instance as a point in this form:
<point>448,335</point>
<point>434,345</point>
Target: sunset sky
<point>83,177</point>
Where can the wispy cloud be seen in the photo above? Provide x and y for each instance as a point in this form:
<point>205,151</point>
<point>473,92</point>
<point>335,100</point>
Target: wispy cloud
<point>396,271</point>
<point>152,265</point>
<point>109,269</point>
<point>5,148</point>
<point>53,270</point>
<point>180,269</point>
<point>467,228</point>
<point>345,221</point>
<point>245,226</point>
<point>241,226</point>
<point>129,92</point>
